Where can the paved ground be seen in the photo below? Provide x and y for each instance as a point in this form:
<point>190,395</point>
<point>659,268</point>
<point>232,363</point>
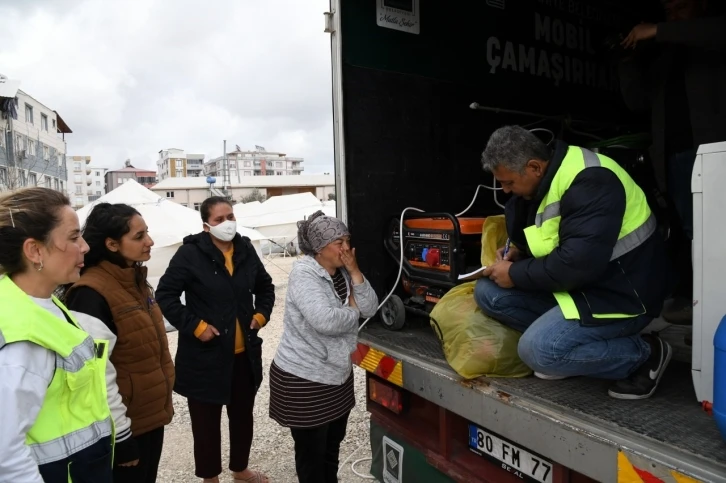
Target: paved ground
<point>272,450</point>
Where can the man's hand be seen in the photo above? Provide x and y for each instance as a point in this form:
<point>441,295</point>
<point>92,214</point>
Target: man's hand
<point>255,324</point>
<point>209,333</point>
<point>130,463</point>
<point>513,255</point>
<point>499,274</point>
<point>643,31</point>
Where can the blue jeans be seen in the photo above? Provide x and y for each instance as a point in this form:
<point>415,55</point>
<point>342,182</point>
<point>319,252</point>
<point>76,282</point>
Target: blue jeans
<point>555,346</point>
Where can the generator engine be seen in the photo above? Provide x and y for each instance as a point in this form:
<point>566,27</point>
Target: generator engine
<point>437,248</point>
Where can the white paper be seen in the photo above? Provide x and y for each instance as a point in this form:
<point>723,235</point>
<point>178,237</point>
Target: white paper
<point>472,275</point>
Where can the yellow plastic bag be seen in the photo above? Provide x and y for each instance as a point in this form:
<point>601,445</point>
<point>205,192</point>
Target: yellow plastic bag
<point>475,344</point>
<point>493,237</point>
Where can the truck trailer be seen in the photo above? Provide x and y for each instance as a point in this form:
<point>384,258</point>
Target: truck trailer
<point>418,86</point>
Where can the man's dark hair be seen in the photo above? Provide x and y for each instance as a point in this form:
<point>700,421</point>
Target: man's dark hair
<point>512,147</point>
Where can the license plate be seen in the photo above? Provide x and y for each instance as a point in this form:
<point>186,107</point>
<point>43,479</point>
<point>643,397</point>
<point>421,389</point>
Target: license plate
<point>515,459</point>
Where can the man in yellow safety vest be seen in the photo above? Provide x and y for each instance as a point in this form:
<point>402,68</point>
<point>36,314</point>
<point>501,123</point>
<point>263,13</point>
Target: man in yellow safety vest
<point>586,269</point>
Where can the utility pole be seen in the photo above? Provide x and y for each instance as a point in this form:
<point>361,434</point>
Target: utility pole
<point>225,173</point>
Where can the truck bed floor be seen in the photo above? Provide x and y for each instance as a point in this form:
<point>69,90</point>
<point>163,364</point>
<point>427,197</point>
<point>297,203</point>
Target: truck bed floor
<point>672,416</point>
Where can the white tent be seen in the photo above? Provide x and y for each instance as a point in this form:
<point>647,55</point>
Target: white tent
<point>168,223</point>
<point>277,218</point>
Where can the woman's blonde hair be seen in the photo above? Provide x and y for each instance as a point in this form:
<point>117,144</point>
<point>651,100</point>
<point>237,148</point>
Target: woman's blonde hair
<point>26,213</point>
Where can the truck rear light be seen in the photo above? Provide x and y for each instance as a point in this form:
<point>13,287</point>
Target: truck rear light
<point>386,395</point>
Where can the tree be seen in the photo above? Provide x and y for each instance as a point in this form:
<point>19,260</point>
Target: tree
<point>255,195</point>
<point>331,196</point>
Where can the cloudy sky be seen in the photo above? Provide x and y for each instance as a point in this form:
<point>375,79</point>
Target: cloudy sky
<point>131,78</point>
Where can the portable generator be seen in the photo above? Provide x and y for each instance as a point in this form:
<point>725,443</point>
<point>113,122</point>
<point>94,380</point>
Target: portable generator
<point>437,248</point>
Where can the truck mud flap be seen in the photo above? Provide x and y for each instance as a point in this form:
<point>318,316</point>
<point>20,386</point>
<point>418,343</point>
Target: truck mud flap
<point>394,461</point>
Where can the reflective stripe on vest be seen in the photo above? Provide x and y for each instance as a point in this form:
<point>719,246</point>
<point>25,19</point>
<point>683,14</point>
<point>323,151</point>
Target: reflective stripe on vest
<point>75,412</point>
<point>638,222</point>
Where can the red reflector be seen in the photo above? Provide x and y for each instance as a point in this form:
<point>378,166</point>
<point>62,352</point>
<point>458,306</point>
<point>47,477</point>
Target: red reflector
<point>385,395</point>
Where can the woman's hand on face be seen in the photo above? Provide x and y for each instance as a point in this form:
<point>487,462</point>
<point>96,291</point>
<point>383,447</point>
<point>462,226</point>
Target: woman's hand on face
<point>347,256</point>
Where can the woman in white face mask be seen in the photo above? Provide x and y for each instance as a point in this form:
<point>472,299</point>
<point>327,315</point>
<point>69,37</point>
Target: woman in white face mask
<point>219,359</point>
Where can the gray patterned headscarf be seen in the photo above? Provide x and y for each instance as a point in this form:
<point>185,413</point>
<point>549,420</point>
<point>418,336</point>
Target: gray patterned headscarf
<point>318,231</point>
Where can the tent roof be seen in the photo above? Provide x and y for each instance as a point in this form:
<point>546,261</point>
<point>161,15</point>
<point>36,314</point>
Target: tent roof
<point>168,222</point>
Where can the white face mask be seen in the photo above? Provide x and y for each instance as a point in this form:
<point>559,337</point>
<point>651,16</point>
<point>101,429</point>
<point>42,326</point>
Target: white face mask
<point>225,231</point>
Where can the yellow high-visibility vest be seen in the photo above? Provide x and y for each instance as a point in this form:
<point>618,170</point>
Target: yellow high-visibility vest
<point>638,225</point>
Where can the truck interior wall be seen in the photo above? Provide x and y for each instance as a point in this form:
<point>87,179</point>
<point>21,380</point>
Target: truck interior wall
<point>411,138</point>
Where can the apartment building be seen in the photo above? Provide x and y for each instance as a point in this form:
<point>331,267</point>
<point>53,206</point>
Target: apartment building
<point>254,163</point>
<point>191,192</point>
<point>32,141</point>
<point>116,177</point>
<point>86,183</point>
<point>175,163</point>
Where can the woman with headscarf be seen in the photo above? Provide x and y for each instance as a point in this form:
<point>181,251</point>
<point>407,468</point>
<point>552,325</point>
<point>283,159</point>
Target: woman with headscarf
<point>311,378</point>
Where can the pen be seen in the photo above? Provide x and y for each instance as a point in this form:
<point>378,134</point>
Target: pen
<point>506,249</point>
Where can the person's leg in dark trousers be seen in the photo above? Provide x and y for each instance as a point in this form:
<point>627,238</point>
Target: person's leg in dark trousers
<point>239,411</point>
<point>206,419</point>
<point>150,445</point>
<point>310,449</point>
<point>336,435</point>
<point>317,451</point>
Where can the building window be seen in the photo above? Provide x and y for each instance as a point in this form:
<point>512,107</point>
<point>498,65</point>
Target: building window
<point>278,164</point>
<point>248,164</point>
<point>44,122</point>
<point>53,123</point>
<point>3,176</point>
<point>98,193</point>
<point>79,189</point>
<point>79,201</point>
<point>77,167</point>
<point>77,178</point>
<point>98,184</point>
<point>62,185</point>
<point>179,173</point>
<point>31,147</point>
<point>46,152</point>
<point>60,160</point>
<point>98,173</point>
<point>179,163</point>
<point>47,182</point>
<point>197,206</point>
<point>28,113</point>
<point>32,179</point>
<point>56,186</point>
<point>248,173</point>
<point>169,194</point>
<point>19,142</point>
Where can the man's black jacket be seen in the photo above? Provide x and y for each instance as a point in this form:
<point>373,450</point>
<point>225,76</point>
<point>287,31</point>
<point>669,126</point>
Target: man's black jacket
<point>591,212</point>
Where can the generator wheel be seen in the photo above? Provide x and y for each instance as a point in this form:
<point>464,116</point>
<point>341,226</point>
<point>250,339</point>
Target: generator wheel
<point>393,313</point>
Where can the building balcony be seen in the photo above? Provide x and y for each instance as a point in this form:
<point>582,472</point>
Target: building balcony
<point>92,198</point>
<point>89,181</point>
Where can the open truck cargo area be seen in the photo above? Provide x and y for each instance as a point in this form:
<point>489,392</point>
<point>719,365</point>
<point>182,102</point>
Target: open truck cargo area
<point>418,87</point>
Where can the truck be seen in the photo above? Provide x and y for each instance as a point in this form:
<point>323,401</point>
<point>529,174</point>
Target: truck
<point>418,86</point>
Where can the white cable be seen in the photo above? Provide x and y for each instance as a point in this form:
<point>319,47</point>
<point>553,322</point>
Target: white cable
<point>400,265</point>
<point>541,129</point>
<point>352,467</point>
<point>353,464</point>
<point>476,193</point>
